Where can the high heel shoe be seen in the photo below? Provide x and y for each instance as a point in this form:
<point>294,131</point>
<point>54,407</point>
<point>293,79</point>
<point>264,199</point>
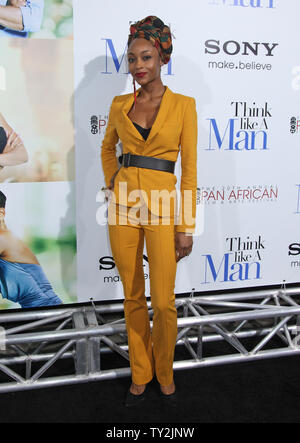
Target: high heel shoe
<point>170,399</point>
<point>134,399</point>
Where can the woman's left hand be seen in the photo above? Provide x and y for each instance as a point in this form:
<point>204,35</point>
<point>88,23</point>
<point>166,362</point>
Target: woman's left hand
<point>183,245</point>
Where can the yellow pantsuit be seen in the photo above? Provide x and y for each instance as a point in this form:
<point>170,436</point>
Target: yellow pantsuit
<point>127,245</point>
<point>174,130</point>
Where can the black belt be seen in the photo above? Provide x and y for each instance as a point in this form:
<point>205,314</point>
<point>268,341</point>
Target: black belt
<point>141,161</point>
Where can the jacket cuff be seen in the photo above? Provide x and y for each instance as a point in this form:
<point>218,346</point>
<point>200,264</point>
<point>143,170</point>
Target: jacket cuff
<point>185,229</point>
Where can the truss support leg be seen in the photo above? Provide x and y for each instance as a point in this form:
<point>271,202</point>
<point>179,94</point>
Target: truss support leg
<point>296,340</point>
<point>93,342</point>
<point>82,354</point>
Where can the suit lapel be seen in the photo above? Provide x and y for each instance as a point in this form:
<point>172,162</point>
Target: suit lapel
<point>162,113</point>
<point>160,118</point>
<point>125,109</point>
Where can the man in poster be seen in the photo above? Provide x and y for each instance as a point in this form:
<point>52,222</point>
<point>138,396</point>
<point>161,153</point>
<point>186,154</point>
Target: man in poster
<point>18,17</point>
<point>22,279</point>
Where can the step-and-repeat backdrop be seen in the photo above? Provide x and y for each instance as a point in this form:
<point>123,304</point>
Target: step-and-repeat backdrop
<point>240,60</point>
<point>59,72</point>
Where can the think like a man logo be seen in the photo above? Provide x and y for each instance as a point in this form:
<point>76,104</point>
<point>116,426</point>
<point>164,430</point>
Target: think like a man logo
<point>246,129</point>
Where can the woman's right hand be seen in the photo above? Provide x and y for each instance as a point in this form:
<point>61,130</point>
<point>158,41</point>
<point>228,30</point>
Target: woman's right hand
<point>110,188</point>
<point>112,181</point>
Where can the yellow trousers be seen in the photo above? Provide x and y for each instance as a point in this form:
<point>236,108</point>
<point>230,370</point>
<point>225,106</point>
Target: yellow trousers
<point>149,353</point>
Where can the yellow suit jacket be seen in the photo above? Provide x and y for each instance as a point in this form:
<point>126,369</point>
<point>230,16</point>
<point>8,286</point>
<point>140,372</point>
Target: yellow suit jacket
<point>174,130</point>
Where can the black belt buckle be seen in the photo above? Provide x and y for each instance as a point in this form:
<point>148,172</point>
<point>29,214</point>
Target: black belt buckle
<point>126,160</point>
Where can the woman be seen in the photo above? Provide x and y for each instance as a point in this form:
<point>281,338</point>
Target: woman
<point>153,124</point>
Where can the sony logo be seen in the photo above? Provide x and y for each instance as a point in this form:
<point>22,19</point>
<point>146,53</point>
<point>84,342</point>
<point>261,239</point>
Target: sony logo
<point>232,47</point>
<point>294,249</point>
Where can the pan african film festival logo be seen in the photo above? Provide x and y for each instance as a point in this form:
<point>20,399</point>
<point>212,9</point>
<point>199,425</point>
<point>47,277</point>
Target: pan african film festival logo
<point>234,194</point>
<point>246,129</point>
<point>294,125</point>
<point>98,124</point>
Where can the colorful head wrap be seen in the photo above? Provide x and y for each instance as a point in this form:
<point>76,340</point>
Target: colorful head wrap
<point>153,29</point>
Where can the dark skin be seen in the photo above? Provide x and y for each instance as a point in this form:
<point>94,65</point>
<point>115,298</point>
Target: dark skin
<point>144,57</point>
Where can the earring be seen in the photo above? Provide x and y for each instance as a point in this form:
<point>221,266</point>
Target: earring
<point>134,88</point>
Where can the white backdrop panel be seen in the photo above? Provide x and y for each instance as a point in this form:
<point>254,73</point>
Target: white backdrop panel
<point>239,59</point>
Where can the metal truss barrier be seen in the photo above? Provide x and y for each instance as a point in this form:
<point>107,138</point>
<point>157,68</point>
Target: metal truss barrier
<point>245,326</point>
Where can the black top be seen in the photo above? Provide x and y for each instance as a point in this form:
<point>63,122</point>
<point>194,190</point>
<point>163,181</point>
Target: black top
<point>3,139</point>
<point>143,131</point>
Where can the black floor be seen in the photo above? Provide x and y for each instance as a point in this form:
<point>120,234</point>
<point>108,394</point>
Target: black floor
<point>266,391</point>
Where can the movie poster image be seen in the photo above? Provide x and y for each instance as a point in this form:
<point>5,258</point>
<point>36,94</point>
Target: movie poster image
<point>37,245</point>
<point>36,18</point>
<point>36,110</point>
